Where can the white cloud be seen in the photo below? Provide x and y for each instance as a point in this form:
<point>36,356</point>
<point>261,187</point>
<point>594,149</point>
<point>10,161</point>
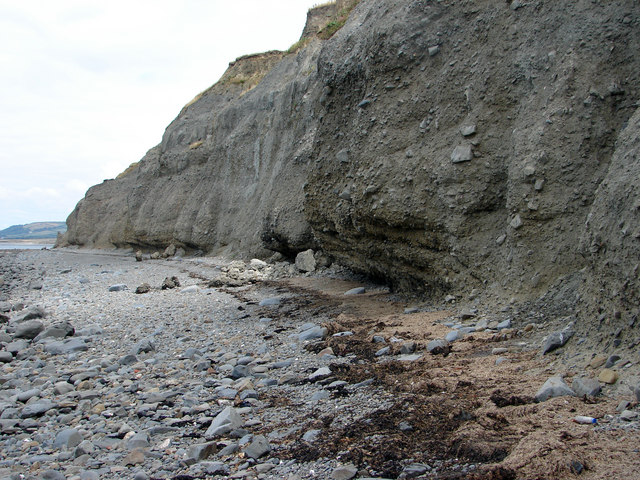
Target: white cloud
<point>87,86</point>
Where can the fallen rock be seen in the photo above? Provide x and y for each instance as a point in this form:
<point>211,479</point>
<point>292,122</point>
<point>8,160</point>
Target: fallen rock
<point>553,387</point>
<point>258,447</point>
<point>345,472</point>
<point>356,291</point>
<point>557,339</point>
<point>585,386</point>
<point>170,283</point>
<point>29,329</point>
<point>224,422</point>
<point>305,261</point>
<point>608,376</point>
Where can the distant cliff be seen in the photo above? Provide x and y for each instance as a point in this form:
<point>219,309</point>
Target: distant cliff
<point>441,146</point>
<point>33,231</point>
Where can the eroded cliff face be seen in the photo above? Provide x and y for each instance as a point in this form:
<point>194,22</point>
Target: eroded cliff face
<point>442,146</point>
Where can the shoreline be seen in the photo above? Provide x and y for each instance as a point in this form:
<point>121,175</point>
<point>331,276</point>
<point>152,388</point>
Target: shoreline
<point>29,241</point>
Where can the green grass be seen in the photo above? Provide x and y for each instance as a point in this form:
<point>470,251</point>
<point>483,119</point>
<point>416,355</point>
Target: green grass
<point>299,45</point>
<point>337,23</point>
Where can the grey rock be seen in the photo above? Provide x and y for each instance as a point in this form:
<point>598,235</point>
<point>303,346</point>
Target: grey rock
<point>202,451</point>
<point>356,291</point>
<point>343,156</point>
<point>383,351</point>
<point>143,346</point>
<point>67,438</point>
<point>52,475</point>
<point>408,347</point>
<point>434,50</point>
<point>29,329</point>
<point>468,130</point>
<point>319,395</point>
<point>69,345</point>
<point>31,313</point>
<point>60,388</point>
<point>258,447</point>
<point>556,340</point>
<point>553,387</point>
<point>313,333</point>
<point>462,153</point>
<point>320,373</point>
<point>305,261</point>
<point>119,287</point>
<point>585,386</point>
<point>58,330</point>
<point>224,422</point>
<point>27,394</point>
<point>170,283</point>
<point>437,346</point>
<point>139,440</point>
<point>611,361</point>
<point>37,409</point>
<point>128,359</point>
<point>415,470</point>
<point>452,336</point>
<point>5,357</point>
<point>239,371</point>
<point>215,468</point>
<point>504,324</point>
<point>269,302</point>
<point>344,472</point>
<point>311,435</point>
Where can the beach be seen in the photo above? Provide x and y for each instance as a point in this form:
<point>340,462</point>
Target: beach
<point>248,369</point>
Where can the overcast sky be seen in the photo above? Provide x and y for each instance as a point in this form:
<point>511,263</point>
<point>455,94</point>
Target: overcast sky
<point>87,86</point>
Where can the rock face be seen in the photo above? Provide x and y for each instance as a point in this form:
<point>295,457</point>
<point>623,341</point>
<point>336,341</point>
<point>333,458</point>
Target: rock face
<point>438,145</point>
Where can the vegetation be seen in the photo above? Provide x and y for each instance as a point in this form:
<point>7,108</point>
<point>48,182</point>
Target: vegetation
<point>299,45</point>
<point>32,231</point>
<point>338,22</point>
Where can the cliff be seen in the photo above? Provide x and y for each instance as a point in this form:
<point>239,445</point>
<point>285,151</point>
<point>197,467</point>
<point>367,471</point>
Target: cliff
<point>440,146</point>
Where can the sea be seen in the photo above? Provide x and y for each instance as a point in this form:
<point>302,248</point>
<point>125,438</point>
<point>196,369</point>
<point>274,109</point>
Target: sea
<point>24,246</point>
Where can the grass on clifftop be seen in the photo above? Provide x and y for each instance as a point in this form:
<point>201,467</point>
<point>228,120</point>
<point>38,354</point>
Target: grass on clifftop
<point>337,23</point>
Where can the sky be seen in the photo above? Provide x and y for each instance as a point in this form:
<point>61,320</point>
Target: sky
<point>87,86</point>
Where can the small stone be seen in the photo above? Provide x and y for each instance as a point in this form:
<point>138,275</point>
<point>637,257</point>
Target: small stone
<point>144,288</point>
<point>462,153</point>
<point>628,415</point>
<point>190,289</point>
<point>313,333</point>
<point>553,387</point>
<point>345,472</point>
<point>269,302</point>
<point>585,386</point>
<point>611,361</point>
<point>170,251</point>
<point>215,468</point>
<point>556,340</point>
<point>364,103</point>
<point>320,374</point>
<point>608,376</point>
<point>516,222</point>
<point>311,436</point>
<point>383,351</point>
<point>5,357</point>
<point>134,458</point>
<point>408,347</point>
<point>343,156</point>
<point>434,50</point>
<point>356,291</point>
<point>467,130</point>
<point>118,287</point>
<point>504,324</point>
<point>438,347</point>
<point>597,361</point>
<point>305,261</point>
<point>138,255</point>
<point>452,336</point>
<point>67,438</point>
<point>415,470</point>
<point>170,283</point>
